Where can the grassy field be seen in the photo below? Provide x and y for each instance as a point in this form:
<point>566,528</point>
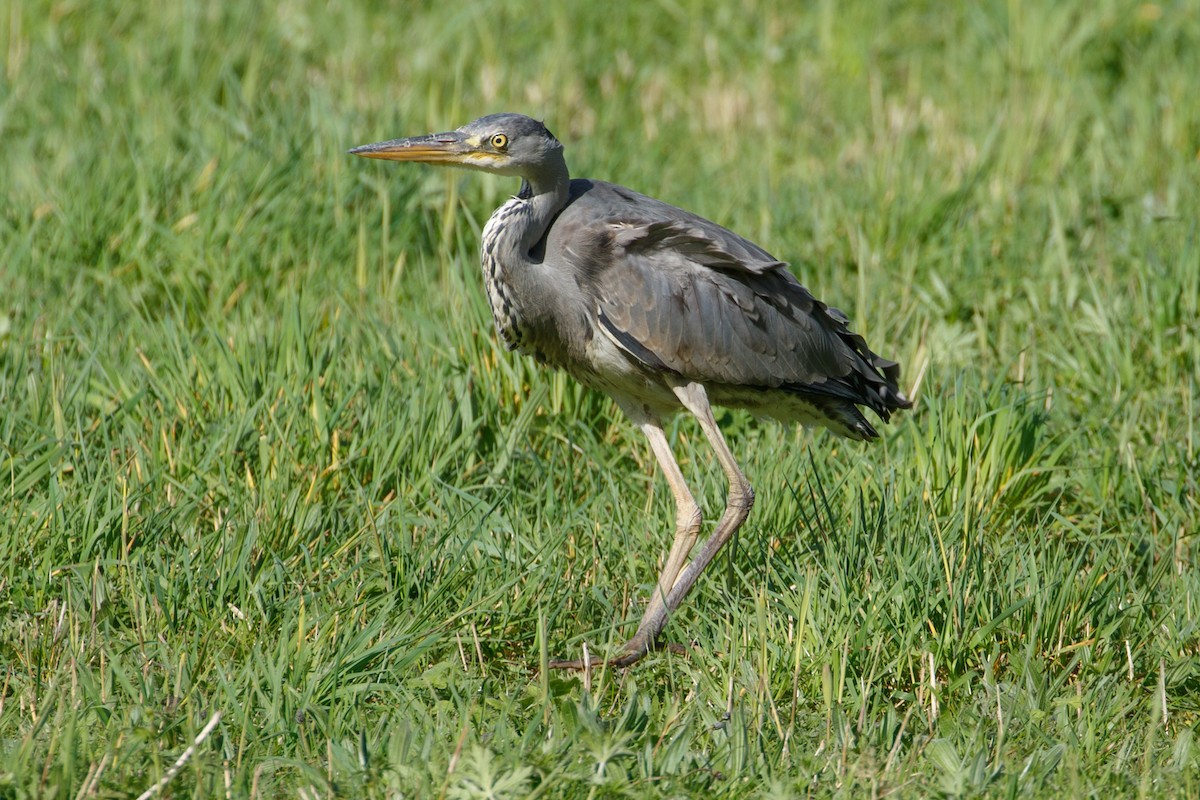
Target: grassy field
<point>263,456</point>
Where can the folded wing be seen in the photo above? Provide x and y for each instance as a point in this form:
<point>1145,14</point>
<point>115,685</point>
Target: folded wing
<point>693,298</point>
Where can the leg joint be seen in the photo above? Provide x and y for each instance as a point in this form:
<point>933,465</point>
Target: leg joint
<point>741,496</point>
<point>690,519</point>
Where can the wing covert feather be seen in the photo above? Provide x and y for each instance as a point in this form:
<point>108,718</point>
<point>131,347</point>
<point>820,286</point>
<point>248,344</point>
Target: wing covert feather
<point>710,315</point>
<point>680,293</point>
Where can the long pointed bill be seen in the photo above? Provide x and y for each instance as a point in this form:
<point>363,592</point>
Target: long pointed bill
<point>436,148</point>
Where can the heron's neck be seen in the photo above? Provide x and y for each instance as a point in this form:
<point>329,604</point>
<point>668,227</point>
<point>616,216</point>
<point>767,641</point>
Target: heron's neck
<point>510,270</point>
<point>546,193</point>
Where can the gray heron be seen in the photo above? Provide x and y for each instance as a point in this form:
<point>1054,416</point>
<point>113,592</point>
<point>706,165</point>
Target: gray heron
<point>663,310</point>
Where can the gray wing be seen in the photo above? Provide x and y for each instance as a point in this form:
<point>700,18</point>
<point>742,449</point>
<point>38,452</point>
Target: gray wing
<point>687,296</point>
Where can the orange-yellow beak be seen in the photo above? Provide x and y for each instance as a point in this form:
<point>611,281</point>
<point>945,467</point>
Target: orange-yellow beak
<point>436,148</point>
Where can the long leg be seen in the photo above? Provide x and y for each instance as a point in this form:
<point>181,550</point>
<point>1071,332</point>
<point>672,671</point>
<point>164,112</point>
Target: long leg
<point>737,505</point>
<point>687,514</point>
<point>737,508</point>
<point>687,530</point>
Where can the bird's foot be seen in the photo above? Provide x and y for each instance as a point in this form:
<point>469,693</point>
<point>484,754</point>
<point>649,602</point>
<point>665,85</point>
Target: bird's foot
<point>630,654</point>
<point>625,659</point>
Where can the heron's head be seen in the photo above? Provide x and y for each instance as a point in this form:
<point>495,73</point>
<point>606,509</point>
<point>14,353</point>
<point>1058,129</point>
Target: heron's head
<point>503,144</point>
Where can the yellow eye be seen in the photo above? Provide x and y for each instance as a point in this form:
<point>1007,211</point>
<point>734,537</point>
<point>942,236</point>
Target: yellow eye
<point>499,141</point>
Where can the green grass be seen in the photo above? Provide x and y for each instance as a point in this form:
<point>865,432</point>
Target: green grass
<point>261,453</point>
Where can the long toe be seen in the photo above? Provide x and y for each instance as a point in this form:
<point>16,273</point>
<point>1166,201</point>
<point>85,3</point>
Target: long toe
<point>633,651</point>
